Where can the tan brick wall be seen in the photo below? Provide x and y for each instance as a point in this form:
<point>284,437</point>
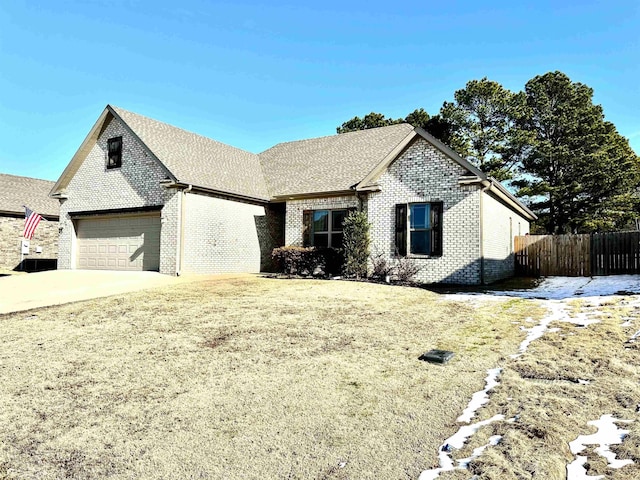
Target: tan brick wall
<point>424,174</point>
<point>45,236</point>
<point>500,224</point>
<point>135,184</point>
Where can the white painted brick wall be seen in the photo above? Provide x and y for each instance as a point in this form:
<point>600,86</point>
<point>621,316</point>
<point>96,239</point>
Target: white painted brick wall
<point>221,236</point>
<point>424,174</point>
<point>293,228</point>
<point>169,232</point>
<point>135,184</point>
<point>500,225</point>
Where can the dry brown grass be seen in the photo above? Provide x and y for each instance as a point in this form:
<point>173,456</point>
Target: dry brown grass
<point>541,390</point>
<point>247,378</point>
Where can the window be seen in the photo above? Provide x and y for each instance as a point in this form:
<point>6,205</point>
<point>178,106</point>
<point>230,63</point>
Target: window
<point>323,228</point>
<point>114,155</point>
<point>419,229</point>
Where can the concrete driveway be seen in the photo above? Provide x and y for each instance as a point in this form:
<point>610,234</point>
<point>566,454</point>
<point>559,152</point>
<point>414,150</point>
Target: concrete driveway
<point>55,287</point>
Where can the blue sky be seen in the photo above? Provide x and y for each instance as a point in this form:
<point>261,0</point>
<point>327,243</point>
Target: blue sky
<point>254,74</point>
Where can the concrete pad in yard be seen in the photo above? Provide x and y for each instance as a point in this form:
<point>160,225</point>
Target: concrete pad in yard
<point>42,289</point>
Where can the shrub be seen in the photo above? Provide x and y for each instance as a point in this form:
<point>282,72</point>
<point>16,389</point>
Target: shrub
<point>405,269</point>
<point>306,261</point>
<point>355,244</point>
<point>381,266</point>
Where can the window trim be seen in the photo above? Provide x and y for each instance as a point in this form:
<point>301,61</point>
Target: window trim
<point>118,153</point>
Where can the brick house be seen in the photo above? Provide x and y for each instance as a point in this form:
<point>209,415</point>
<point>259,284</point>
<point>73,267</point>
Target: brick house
<point>15,193</point>
<point>141,194</point>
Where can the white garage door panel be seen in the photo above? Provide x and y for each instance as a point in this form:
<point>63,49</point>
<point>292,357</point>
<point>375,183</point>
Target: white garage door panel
<point>119,243</point>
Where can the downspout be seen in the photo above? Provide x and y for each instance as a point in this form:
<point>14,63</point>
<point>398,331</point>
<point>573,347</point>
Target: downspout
<point>486,187</point>
<point>181,254</point>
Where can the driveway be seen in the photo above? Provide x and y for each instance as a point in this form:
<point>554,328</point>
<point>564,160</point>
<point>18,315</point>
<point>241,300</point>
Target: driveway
<point>55,287</point>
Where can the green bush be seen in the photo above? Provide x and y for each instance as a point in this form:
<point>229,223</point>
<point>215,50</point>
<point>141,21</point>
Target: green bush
<point>307,261</point>
<point>356,244</point>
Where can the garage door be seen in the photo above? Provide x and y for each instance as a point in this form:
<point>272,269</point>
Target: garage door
<point>119,243</point>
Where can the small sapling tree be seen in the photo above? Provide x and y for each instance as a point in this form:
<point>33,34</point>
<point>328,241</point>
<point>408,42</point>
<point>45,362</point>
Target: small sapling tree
<point>356,244</point>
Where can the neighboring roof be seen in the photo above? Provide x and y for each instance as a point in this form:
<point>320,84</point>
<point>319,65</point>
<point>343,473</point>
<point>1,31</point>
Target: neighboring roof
<point>198,160</point>
<point>329,164</point>
<point>18,192</point>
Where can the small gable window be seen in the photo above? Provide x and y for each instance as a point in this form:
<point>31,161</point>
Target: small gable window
<point>114,156</point>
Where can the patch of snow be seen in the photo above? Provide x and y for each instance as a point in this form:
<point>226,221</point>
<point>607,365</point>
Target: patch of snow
<point>583,382</point>
<point>456,441</point>
<point>626,323</point>
<point>558,313</point>
<point>480,398</point>
<point>607,434</point>
<point>561,288</point>
<point>634,336</point>
<point>493,441</point>
<point>576,470</point>
<point>533,334</point>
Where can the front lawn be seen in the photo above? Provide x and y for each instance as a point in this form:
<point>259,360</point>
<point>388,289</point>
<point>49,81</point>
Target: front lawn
<point>244,378</point>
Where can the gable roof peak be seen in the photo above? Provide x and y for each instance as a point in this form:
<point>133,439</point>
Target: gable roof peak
<point>187,157</point>
<point>333,163</point>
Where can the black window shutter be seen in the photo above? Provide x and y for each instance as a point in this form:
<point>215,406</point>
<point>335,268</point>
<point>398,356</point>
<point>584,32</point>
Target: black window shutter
<point>436,229</point>
<point>401,229</point>
<point>306,228</point>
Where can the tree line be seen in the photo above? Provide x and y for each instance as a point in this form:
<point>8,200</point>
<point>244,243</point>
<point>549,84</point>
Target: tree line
<point>549,143</point>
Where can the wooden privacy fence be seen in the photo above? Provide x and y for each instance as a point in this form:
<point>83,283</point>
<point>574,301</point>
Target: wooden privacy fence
<point>578,255</point>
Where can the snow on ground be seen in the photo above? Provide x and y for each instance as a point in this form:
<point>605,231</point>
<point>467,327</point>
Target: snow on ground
<point>465,432</point>
<point>562,288</point>
<point>481,397</point>
<point>553,292</point>
<point>608,434</point>
<point>457,441</point>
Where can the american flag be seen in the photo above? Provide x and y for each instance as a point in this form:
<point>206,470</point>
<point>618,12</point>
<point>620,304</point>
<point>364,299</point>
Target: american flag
<point>31,221</point>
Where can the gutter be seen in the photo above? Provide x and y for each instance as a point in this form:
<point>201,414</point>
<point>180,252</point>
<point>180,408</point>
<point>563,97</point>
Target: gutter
<point>491,185</point>
<point>180,262</point>
<point>302,196</point>
<point>221,193</point>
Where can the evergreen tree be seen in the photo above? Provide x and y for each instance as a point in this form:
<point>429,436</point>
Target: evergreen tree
<point>355,243</point>
<point>580,174</point>
<point>484,127</point>
<point>370,120</point>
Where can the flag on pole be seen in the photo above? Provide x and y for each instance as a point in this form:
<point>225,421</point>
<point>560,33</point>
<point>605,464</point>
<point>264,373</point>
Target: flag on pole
<point>31,221</point>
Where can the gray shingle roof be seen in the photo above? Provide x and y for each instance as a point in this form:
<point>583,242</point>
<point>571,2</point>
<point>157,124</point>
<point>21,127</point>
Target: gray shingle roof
<point>327,164</point>
<point>198,160</point>
<point>32,192</point>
